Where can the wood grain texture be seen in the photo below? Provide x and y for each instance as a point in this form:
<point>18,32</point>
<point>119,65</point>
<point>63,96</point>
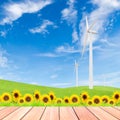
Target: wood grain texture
<point>60,113</point>
<point>18,114</point>
<point>84,114</point>
<point>6,111</point>
<point>67,113</point>
<point>112,111</point>
<point>1,108</point>
<point>118,108</point>
<point>101,114</point>
<point>34,114</point>
<point>51,113</point>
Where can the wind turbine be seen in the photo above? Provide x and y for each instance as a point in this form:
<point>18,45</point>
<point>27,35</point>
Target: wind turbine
<point>89,32</point>
<point>76,73</point>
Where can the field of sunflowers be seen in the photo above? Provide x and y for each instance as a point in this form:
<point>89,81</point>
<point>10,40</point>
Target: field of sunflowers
<point>15,98</point>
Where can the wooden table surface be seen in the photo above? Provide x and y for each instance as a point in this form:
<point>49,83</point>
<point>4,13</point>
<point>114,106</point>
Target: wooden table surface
<point>59,113</point>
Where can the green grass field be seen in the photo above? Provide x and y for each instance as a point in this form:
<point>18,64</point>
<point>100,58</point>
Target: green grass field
<point>9,86</point>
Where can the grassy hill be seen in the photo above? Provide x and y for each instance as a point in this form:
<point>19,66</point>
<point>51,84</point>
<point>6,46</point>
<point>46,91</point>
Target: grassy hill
<point>9,86</point>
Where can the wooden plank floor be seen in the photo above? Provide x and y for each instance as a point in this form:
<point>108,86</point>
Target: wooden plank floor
<point>59,113</point>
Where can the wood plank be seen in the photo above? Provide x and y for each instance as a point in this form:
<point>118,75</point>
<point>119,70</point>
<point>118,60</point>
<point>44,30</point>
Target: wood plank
<point>51,113</point>
<point>1,108</point>
<point>84,114</point>
<point>6,111</point>
<point>112,111</point>
<point>34,114</point>
<point>101,114</point>
<point>18,114</point>
<point>118,108</point>
<point>67,113</point>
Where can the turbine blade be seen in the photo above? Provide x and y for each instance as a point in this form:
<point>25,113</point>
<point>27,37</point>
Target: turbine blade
<point>87,23</point>
<point>84,43</point>
<point>91,26</point>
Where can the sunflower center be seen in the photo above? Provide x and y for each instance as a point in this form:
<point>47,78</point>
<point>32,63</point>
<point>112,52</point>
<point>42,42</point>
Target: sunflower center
<point>21,101</point>
<point>105,100</point>
<point>6,98</point>
<point>96,101</point>
<point>16,95</point>
<point>90,103</point>
<point>28,99</point>
<point>45,100</point>
<point>51,96</point>
<point>36,96</point>
<point>111,102</point>
<point>117,96</point>
<point>59,101</point>
<point>66,101</point>
<point>74,100</point>
<point>84,97</point>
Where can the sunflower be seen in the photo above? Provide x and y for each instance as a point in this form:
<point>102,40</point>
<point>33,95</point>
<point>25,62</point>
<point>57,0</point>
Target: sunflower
<point>21,100</point>
<point>89,102</point>
<point>74,99</point>
<point>96,100</point>
<point>16,95</point>
<point>111,102</point>
<point>84,96</point>
<point>58,100</point>
<point>37,95</point>
<point>52,96</point>
<point>28,98</point>
<point>116,96</point>
<point>66,100</point>
<point>6,97</point>
<point>46,99</point>
<point>105,99</point>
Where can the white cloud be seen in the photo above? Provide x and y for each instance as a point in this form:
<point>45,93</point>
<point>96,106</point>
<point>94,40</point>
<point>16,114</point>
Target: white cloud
<point>51,55</point>
<point>15,10</point>
<point>3,58</point>
<point>105,41</point>
<point>3,33</point>
<point>66,49</point>
<point>100,15</point>
<point>43,28</point>
<point>70,15</point>
<point>54,76</point>
<point>71,49</point>
<point>75,36</point>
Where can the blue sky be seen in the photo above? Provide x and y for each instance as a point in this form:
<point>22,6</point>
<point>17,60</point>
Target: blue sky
<point>40,40</point>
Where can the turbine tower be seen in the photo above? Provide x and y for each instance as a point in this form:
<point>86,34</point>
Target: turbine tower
<point>89,32</point>
<point>76,73</point>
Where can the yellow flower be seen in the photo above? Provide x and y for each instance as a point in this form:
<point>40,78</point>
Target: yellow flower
<point>16,95</point>
<point>84,96</point>
<point>105,99</point>
<point>6,97</point>
<point>111,101</point>
<point>74,99</point>
<point>116,96</point>
<point>66,100</point>
<point>46,99</point>
<point>21,100</point>
<point>89,102</point>
<point>37,95</point>
<point>59,100</point>
<point>96,100</point>
<point>52,96</point>
<point>28,98</point>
